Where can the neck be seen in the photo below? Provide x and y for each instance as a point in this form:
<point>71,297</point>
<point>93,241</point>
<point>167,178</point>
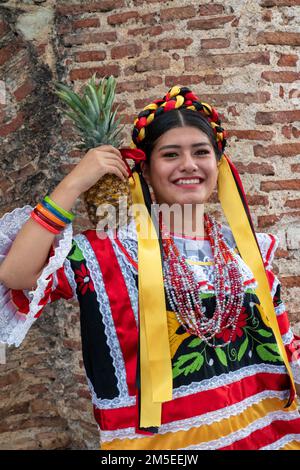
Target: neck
<point>185,220</point>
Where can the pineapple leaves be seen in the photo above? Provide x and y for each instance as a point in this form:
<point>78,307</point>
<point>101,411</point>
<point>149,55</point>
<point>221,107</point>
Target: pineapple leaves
<point>92,112</point>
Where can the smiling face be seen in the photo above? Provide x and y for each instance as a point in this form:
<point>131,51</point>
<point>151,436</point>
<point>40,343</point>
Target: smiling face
<point>182,168</point>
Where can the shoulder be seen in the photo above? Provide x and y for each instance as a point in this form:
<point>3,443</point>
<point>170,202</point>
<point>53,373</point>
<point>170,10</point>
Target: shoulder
<point>268,244</point>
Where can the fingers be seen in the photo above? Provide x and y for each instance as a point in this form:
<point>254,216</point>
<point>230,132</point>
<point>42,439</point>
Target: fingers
<point>116,171</point>
<point>113,159</point>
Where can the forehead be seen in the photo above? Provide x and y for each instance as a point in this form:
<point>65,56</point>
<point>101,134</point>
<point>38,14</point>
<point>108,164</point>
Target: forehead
<point>182,136</point>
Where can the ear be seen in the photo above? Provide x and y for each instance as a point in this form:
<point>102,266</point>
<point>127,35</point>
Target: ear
<point>145,171</point>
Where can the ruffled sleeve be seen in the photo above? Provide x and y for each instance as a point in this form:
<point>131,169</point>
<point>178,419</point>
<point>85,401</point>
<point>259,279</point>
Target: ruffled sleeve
<point>19,309</point>
<point>268,245</point>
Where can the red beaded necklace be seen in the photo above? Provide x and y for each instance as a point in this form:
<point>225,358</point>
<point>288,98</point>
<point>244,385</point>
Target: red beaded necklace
<point>182,288</point>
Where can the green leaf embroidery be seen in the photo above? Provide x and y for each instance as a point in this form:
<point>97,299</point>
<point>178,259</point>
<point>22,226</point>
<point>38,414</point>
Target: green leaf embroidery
<point>267,355</point>
<point>221,356</point>
<point>264,333</point>
<point>76,255</point>
<point>195,343</point>
<point>243,348</point>
<point>190,368</point>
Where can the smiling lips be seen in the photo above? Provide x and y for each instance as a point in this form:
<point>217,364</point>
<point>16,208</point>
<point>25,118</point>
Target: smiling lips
<point>188,181</point>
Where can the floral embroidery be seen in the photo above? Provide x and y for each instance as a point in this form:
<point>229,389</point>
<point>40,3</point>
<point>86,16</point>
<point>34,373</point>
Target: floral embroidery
<point>251,338</point>
<point>83,279</point>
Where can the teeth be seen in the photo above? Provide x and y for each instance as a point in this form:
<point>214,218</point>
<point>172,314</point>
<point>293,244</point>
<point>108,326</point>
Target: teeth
<point>191,181</point>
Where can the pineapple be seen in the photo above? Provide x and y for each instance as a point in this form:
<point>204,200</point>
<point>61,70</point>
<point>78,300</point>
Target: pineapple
<point>93,117</point>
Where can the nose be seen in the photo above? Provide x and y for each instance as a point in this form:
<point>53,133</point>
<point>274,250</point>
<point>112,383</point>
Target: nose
<point>188,163</point>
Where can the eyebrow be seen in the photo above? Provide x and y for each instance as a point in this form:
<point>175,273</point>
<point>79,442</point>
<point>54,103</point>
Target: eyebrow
<point>199,144</point>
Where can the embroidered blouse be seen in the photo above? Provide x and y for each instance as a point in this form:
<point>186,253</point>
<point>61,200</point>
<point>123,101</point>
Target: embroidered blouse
<point>223,398</point>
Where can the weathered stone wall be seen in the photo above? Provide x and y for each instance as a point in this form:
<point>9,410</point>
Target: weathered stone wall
<point>240,56</point>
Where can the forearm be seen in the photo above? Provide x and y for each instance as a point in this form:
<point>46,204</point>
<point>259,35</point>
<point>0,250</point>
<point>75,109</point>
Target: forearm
<point>29,251</point>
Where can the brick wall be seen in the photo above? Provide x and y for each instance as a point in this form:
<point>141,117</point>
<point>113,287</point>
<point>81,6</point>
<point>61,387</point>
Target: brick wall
<point>242,57</point>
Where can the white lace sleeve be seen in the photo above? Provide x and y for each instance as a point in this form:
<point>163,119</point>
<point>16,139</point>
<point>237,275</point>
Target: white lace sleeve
<point>15,320</point>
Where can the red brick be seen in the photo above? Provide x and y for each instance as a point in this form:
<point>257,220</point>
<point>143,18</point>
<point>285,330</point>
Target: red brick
<point>293,203</point>
<point>226,60</point>
<point>102,6</point>
<point>126,50</point>
<point>216,43</point>
<point>121,18</point>
<point>183,80</point>
<point>213,79</point>
<point>290,131</point>
<point>281,253</point>
<point>178,13</point>
<point>295,167</point>
<point>208,10</point>
<point>279,3</point>
<point>10,50</point>
<point>250,134</point>
<point>273,117</point>
<point>86,23</point>
<point>9,379</point>
<point>294,93</point>
<point>24,90</point>
<point>151,31</point>
<point>13,125</point>
<point>172,43</point>
<point>89,38</point>
<point>218,99</point>
<point>281,185</point>
<point>89,56</point>
<point>152,63</point>
<point>267,220</point>
<point>150,18</point>
<point>290,281</point>
<point>210,23</point>
<point>4,28</point>
<point>131,87</point>
<point>267,16</point>
<point>280,77</point>
<point>154,81</point>
<point>255,168</point>
<point>72,344</point>
<point>288,60</point>
<point>85,73</point>
<point>284,150</point>
<point>279,38</point>
<point>257,200</point>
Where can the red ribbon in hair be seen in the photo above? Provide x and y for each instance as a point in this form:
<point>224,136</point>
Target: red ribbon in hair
<point>137,155</point>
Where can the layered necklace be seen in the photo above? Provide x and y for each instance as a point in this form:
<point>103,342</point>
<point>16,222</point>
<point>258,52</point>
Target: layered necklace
<point>183,293</point>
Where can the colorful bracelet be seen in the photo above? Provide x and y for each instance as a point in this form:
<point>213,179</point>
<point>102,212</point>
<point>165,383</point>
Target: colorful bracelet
<point>50,216</point>
<point>43,223</point>
<point>60,210</point>
<point>48,221</point>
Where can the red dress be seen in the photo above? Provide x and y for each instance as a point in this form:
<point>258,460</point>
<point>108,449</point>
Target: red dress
<point>223,398</point>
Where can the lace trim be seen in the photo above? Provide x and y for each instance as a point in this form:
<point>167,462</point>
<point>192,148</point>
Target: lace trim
<point>227,378</point>
<point>105,311</point>
<point>14,326</point>
<point>71,279</point>
<point>265,241</point>
<point>288,337</point>
<point>102,404</point>
<point>295,366</point>
<point>277,445</point>
<point>127,271</point>
<point>198,421</point>
<point>280,309</point>
<point>247,431</point>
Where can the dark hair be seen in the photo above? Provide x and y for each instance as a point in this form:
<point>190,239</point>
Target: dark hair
<point>176,118</point>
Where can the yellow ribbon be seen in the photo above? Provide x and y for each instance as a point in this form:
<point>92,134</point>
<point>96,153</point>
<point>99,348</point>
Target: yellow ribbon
<point>236,216</point>
<point>155,356</point>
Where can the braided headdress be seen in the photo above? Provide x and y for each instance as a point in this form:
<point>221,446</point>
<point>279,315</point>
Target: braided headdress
<point>177,97</point>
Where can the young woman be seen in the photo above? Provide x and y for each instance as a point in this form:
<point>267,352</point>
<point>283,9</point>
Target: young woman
<point>186,341</point>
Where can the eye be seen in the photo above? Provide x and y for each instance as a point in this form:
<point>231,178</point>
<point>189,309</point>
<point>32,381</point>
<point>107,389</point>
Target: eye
<point>170,155</point>
<point>202,152</point>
